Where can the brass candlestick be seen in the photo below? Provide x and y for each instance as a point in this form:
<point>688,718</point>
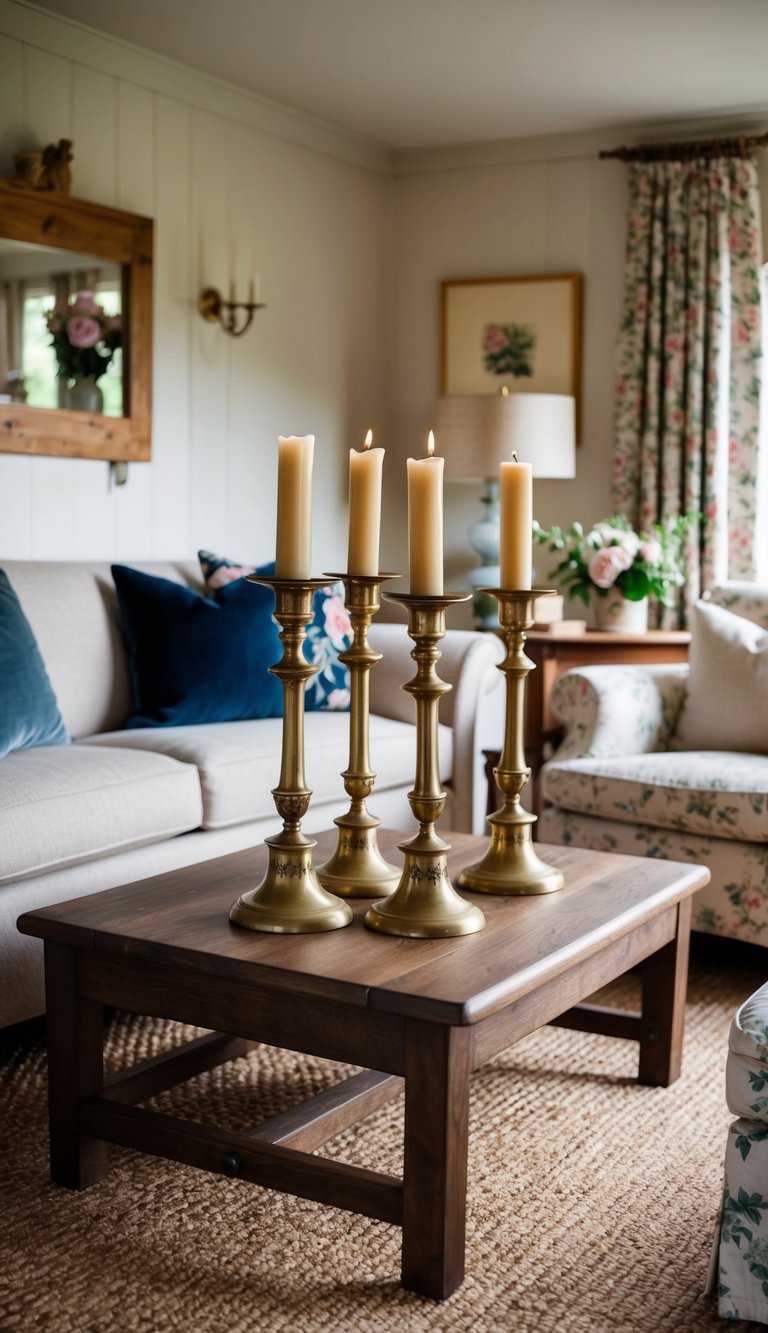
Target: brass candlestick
<point>425,903</point>
<point>357,869</point>
<point>510,865</point>
<point>290,899</point>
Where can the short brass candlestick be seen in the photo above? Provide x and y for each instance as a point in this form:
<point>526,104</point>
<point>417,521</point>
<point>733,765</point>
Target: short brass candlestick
<point>357,869</point>
<point>510,865</point>
<point>425,903</point>
<point>290,899</point>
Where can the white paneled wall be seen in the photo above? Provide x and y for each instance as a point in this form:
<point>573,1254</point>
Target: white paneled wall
<point>235,186</point>
<point>351,245</point>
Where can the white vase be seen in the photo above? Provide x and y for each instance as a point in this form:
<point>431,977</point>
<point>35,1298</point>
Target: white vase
<point>84,395</point>
<point>612,611</point>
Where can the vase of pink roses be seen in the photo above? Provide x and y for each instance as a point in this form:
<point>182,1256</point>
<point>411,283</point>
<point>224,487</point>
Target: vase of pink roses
<point>617,571</point>
<point>84,338</point>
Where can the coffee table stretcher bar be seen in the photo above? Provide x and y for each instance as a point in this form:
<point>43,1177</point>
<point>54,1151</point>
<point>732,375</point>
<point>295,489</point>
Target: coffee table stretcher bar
<point>424,1011</point>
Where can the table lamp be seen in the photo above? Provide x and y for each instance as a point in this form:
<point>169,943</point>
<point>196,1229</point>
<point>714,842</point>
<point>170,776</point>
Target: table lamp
<point>477,432</point>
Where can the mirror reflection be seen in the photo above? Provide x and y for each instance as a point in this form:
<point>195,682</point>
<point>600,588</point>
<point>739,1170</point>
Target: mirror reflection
<point>60,329</point>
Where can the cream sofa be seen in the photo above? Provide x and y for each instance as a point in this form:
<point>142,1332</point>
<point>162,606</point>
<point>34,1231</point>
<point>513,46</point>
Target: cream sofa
<point>116,805</point>
<point>624,779</point>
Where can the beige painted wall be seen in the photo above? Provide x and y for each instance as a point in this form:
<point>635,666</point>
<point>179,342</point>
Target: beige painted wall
<point>231,182</point>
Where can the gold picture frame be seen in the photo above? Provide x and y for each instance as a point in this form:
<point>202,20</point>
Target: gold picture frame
<point>522,332</point>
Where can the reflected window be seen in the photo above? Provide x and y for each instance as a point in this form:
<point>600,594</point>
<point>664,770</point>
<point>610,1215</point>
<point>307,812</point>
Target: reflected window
<point>59,327</point>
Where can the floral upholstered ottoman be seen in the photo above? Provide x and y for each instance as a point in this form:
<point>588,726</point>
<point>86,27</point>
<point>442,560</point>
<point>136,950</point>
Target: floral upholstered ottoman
<point>742,1258</point>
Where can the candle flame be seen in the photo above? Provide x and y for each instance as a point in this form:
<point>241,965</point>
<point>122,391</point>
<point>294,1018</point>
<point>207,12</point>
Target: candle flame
<point>431,444</point>
<point>504,391</point>
<point>368,440</point>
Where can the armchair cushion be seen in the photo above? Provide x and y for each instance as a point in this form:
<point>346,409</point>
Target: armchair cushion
<point>721,794</point>
<point>726,706</point>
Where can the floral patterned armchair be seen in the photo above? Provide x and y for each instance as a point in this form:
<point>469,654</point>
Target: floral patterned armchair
<point>619,782</point>
<point>739,1270</point>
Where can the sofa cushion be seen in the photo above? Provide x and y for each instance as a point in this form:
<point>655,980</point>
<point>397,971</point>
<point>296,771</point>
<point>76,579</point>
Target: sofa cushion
<point>328,633</point>
<point>72,608</point>
<point>746,1070</point>
<point>716,793</point>
<point>61,805</point>
<point>726,706</point>
<point>29,714</point>
<point>193,659</point>
<point>239,762</point>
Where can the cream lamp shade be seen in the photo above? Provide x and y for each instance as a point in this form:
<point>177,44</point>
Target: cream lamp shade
<point>477,432</point>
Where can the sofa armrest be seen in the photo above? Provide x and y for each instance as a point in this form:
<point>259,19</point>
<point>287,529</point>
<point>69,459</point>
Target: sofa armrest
<point>617,710</point>
<point>474,708</point>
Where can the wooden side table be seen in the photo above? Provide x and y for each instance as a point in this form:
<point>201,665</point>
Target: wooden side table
<point>555,653</point>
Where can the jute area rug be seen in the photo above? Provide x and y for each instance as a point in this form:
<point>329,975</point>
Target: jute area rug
<point>591,1200</point>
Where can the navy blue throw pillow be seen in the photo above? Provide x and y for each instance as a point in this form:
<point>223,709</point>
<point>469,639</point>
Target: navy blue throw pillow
<point>329,632</point>
<point>29,714</point>
<point>195,659</point>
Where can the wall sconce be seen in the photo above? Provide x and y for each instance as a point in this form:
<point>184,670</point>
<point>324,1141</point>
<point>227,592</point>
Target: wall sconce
<point>213,307</point>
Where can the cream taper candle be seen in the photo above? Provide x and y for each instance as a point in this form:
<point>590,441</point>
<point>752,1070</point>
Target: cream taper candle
<point>425,523</point>
<point>515,524</point>
<point>294,506</point>
<point>365,469</point>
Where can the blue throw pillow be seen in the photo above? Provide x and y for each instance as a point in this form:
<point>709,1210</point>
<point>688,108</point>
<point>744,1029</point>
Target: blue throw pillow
<point>194,659</point>
<point>29,714</point>
<point>328,633</point>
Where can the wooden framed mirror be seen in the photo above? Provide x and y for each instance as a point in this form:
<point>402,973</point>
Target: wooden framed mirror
<point>51,244</point>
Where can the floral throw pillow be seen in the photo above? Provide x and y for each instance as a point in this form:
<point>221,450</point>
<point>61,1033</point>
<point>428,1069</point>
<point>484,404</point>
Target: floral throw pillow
<point>328,633</point>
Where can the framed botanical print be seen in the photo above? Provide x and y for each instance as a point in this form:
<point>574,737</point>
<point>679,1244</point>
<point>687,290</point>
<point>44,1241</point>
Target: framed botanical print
<point>523,333</point>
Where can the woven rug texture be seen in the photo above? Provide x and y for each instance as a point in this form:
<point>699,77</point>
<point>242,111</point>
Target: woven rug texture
<point>591,1201</point>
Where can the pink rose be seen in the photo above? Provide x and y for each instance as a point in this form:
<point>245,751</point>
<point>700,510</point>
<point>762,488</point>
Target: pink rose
<point>606,565</point>
<point>337,624</point>
<point>650,551</point>
<point>82,331</point>
<point>494,339</point>
<point>337,699</point>
<point>229,574</point>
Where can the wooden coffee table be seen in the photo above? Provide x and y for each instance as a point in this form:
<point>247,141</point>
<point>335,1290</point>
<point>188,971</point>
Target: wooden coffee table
<point>424,1011</point>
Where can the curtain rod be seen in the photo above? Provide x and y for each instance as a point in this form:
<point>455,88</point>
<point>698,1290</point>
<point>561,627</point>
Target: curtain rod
<point>685,150</point>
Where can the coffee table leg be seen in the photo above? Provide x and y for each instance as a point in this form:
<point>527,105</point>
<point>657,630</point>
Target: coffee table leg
<point>437,1070</point>
<point>74,1028</point>
<point>665,983</point>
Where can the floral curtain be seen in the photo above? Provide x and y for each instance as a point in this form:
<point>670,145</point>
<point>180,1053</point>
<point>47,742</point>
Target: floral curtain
<point>687,423</point>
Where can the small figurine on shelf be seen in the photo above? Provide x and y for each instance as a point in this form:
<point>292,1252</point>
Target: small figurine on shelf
<point>48,169</point>
<point>56,170</point>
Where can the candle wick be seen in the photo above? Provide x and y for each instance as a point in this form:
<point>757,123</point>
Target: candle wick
<point>515,458</point>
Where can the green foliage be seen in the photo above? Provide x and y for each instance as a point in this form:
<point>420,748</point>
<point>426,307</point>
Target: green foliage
<point>508,349</point>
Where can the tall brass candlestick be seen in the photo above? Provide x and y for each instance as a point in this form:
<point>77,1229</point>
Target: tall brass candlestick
<point>290,899</point>
<point>425,903</point>
<point>357,869</point>
<point>510,865</point>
